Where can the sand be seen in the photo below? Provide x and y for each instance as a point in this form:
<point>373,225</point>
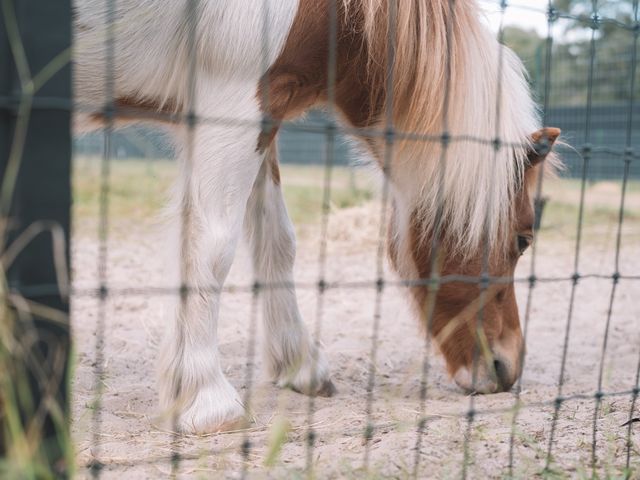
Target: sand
<point>132,446</point>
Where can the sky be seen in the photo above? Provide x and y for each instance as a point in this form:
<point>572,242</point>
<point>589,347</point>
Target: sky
<point>527,14</point>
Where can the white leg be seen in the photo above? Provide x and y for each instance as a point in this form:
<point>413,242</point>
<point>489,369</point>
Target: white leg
<point>209,206</point>
<point>293,359</point>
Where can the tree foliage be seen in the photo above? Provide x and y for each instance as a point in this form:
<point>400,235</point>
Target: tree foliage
<point>613,45</point>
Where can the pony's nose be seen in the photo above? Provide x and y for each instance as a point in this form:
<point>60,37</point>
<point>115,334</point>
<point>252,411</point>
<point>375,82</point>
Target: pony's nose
<point>495,377</point>
<point>505,378</point>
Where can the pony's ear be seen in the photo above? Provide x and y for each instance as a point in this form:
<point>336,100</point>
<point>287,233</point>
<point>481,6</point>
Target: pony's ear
<point>541,143</point>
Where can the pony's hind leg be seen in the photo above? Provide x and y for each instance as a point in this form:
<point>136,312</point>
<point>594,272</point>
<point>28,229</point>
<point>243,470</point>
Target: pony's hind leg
<point>219,167</point>
<point>293,359</point>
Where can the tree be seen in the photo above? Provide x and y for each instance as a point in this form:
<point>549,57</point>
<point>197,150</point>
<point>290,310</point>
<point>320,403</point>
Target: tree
<point>525,43</point>
<point>621,10</point>
<point>572,49</point>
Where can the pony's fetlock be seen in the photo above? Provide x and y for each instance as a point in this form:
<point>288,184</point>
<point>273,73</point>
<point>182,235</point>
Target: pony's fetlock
<point>309,374</point>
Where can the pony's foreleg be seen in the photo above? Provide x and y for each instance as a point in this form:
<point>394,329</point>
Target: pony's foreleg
<point>219,168</point>
<point>293,359</point>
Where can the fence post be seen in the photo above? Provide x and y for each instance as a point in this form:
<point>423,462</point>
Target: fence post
<point>35,143</point>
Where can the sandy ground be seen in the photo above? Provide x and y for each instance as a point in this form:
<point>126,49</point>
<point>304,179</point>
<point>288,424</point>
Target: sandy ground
<point>131,446</point>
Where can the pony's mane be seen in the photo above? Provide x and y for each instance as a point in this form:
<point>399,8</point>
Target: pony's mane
<point>446,80</point>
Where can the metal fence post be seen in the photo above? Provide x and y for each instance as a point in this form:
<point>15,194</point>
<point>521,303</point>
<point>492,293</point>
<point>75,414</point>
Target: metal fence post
<point>35,143</point>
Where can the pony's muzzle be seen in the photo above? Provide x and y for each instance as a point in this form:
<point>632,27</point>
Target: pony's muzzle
<point>488,376</point>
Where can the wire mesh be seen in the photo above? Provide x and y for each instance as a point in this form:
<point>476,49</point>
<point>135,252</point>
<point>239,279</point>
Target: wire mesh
<point>420,432</point>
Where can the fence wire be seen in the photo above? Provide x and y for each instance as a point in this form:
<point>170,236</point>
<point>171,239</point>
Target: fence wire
<point>381,283</point>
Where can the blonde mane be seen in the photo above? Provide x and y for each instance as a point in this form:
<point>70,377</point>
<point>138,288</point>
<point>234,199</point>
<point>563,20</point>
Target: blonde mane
<point>451,76</point>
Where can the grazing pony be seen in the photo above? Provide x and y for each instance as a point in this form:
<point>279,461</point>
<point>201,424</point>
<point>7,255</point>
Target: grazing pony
<point>425,73</point>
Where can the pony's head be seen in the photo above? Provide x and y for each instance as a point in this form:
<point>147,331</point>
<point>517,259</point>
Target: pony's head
<point>466,299</point>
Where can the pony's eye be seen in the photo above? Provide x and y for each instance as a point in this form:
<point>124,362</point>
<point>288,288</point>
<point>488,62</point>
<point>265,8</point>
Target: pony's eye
<point>523,243</point>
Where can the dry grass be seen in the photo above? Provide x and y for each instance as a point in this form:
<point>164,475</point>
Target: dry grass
<point>139,188</point>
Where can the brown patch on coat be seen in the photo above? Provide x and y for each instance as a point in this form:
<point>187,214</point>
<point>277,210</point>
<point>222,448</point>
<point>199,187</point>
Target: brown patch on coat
<point>131,109</point>
<point>392,240</point>
<point>460,301</point>
<point>456,307</point>
<point>299,79</point>
<point>272,165</point>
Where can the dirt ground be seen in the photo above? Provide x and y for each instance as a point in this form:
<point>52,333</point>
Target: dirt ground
<point>131,446</point>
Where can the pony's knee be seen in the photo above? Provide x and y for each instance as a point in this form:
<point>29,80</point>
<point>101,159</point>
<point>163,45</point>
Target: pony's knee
<point>219,245</point>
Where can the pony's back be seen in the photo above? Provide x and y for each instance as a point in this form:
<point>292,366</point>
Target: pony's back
<point>158,44</point>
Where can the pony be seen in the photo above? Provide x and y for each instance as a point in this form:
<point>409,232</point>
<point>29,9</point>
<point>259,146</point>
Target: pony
<point>438,104</point>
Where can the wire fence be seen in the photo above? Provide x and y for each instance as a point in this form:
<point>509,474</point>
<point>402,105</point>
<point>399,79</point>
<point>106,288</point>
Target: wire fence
<point>244,451</point>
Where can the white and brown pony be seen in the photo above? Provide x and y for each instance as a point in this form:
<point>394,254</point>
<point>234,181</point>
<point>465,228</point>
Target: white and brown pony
<point>459,170</point>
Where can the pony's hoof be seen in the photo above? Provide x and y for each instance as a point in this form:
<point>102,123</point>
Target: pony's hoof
<point>310,377</point>
<point>213,410</point>
<point>327,389</point>
<point>189,425</point>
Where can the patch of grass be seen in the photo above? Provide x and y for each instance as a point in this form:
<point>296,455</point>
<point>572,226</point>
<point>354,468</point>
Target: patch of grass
<point>601,209</point>
<point>305,204</point>
<point>138,189</point>
<point>558,213</point>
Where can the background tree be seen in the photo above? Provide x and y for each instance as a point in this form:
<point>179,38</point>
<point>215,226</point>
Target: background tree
<point>569,73</point>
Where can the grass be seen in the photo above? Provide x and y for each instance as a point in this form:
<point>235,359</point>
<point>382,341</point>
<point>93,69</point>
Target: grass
<point>138,189</point>
<point>602,199</point>
<point>600,216</point>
